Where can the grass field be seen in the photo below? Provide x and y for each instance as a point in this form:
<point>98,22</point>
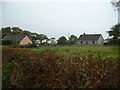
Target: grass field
<point>103,51</point>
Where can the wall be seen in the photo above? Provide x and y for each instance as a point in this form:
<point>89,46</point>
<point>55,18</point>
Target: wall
<point>88,43</point>
<point>100,41</point>
<point>25,40</point>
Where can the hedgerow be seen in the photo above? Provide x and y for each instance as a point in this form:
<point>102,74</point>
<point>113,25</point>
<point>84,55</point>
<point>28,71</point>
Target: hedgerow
<point>30,69</point>
<point>8,42</point>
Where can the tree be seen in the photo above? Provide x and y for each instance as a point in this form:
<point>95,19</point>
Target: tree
<point>16,30</point>
<point>62,41</point>
<point>6,31</point>
<point>34,36</point>
<point>115,31</point>
<point>26,32</point>
<point>42,37</point>
<point>116,3</point>
<point>115,34</point>
<point>72,40</point>
<point>9,30</point>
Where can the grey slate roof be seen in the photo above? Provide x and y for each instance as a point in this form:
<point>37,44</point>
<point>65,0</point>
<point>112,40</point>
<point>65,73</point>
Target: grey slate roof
<point>89,37</point>
<point>14,37</point>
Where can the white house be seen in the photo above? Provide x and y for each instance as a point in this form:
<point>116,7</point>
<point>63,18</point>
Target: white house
<point>90,39</point>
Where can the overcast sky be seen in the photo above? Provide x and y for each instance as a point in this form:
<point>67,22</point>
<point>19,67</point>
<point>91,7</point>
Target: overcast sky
<point>56,19</point>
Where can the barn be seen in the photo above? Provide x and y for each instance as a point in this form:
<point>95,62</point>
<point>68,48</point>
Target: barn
<point>20,38</point>
<point>90,39</point>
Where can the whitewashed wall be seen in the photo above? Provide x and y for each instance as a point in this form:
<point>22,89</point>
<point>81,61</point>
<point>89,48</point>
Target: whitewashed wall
<point>87,42</point>
<point>100,41</point>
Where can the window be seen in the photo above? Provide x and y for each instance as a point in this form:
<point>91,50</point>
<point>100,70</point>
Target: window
<point>86,42</point>
<point>81,42</point>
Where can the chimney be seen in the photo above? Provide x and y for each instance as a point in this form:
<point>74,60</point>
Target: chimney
<point>84,34</point>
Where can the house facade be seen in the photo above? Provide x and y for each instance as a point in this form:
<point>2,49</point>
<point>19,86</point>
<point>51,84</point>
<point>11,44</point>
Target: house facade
<point>21,39</point>
<point>90,39</point>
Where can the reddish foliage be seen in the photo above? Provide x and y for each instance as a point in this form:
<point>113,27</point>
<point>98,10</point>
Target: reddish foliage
<point>40,70</point>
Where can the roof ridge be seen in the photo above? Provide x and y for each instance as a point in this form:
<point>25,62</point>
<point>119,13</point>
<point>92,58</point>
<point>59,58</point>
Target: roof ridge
<point>17,37</point>
<point>90,36</point>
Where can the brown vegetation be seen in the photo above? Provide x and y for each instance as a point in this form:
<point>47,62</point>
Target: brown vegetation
<point>30,69</point>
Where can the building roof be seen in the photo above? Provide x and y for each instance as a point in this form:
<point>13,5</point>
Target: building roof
<point>89,37</point>
<point>18,37</point>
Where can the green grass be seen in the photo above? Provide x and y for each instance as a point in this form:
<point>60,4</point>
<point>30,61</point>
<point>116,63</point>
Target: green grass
<point>103,51</point>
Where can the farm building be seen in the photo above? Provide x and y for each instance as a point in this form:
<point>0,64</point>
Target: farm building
<point>22,39</point>
<point>90,39</point>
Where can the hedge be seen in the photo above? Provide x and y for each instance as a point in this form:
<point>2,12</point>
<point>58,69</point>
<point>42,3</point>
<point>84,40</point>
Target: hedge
<point>8,42</point>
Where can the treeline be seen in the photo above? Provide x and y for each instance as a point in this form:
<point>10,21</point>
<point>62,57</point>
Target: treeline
<point>39,39</point>
<point>17,30</point>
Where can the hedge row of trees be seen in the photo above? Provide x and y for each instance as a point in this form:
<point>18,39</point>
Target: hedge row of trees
<point>17,30</point>
<point>38,38</point>
<point>63,41</point>
<point>114,33</point>
<point>8,42</point>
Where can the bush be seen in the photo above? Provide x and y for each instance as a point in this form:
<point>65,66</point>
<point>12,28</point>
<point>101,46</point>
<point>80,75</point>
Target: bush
<point>28,46</point>
<point>27,69</point>
<point>8,42</point>
<point>114,42</point>
<point>6,74</point>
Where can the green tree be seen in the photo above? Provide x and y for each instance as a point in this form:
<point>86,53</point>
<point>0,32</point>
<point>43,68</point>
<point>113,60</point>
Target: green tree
<point>115,34</point>
<point>115,31</point>
<point>72,40</point>
<point>6,31</point>
<point>42,37</point>
<point>62,41</point>
<point>34,36</point>
<point>16,30</point>
<point>26,32</point>
<point>9,30</point>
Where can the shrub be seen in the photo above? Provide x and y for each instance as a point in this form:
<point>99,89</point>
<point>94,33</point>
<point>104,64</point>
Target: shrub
<point>8,42</point>
<point>6,74</point>
<point>28,46</point>
<point>27,69</point>
<point>114,42</point>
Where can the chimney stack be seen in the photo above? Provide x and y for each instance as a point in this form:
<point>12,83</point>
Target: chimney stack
<point>83,33</point>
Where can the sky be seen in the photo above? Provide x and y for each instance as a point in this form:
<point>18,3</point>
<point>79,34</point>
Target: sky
<point>56,18</point>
